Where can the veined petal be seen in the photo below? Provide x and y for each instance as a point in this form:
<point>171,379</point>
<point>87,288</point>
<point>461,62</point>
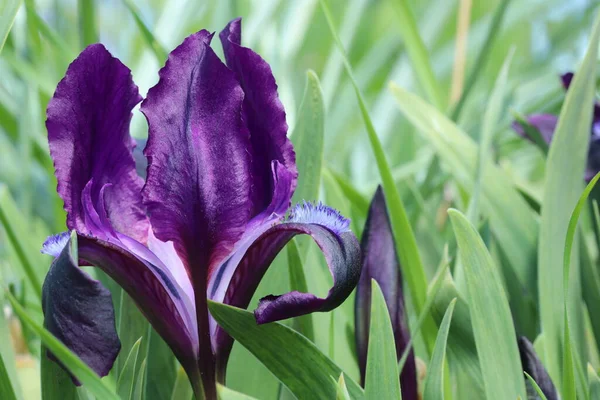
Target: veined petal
<point>78,310</point>
<point>264,114</point>
<point>380,262</point>
<point>143,276</point>
<point>88,132</point>
<point>198,163</point>
<point>242,272</point>
<point>533,366</point>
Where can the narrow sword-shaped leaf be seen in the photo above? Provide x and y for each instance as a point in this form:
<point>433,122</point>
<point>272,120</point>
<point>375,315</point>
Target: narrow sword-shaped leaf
<point>8,13</point>
<point>537,388</point>
<point>159,51</point>
<point>56,383</point>
<point>298,282</point>
<point>565,168</point>
<point>86,11</point>
<point>594,383</point>
<point>569,385</point>
<point>182,388</point>
<point>381,380</point>
<point>126,382</point>
<point>229,394</point>
<point>77,367</point>
<point>403,234</point>
<point>494,331</point>
<point>342,390</point>
<point>434,382</point>
<point>6,387</point>
<point>307,138</point>
<point>418,54</point>
<point>482,57</point>
<point>292,358</point>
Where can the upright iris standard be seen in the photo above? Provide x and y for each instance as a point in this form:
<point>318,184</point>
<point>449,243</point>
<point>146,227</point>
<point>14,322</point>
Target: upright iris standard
<point>209,219</point>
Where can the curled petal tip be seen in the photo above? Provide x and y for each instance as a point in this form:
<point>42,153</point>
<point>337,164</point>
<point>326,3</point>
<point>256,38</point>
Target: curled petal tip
<point>308,212</point>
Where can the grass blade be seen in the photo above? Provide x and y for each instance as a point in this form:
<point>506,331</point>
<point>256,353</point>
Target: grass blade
<point>304,323</point>
<point>87,22</point>
<point>403,234</point>
<point>482,57</point>
<point>307,137</point>
<point>56,383</point>
<point>159,51</point>
<point>536,387</point>
<point>593,382</point>
<point>565,167</point>
<point>292,358</point>
<point>418,54</point>
<point>6,388</point>
<point>8,12</point>
<point>494,331</point>
<point>84,374</point>
<point>434,383</point>
<point>381,380</point>
<point>126,382</point>
<point>182,388</point>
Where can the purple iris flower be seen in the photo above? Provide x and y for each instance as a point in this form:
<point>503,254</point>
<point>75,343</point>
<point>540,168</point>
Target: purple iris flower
<point>380,262</point>
<point>207,222</point>
<point>545,124</point>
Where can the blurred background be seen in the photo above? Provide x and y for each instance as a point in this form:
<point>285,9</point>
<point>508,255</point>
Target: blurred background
<point>548,37</point>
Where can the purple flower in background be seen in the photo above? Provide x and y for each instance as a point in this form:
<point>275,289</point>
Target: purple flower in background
<point>534,367</point>
<point>380,262</point>
<point>545,124</point>
<point>207,222</point>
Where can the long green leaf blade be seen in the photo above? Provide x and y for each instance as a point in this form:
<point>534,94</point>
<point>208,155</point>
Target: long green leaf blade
<point>8,12</point>
<point>381,380</point>
<point>292,358</point>
<point>6,387</point>
<point>403,234</point>
<point>126,382</point>
<point>418,54</point>
<point>565,167</point>
<point>494,331</point>
<point>434,382</point>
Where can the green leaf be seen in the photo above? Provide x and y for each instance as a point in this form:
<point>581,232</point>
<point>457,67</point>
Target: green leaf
<point>403,234</point>
<point>381,378</point>
<point>8,12</point>
<point>482,57</point>
<point>536,387</point>
<point>132,325</point>
<point>494,332</point>
<point>569,384</point>
<point>434,381</point>
<point>229,394</point>
<point>15,226</point>
<point>182,389</point>
<point>77,367</point>
<point>56,383</point>
<point>126,382</point>
<point>292,358</point>
<point>594,383</point>
<point>160,367</point>
<point>308,137</point>
<point>304,323</point>
<point>418,54</point>
<point>342,390</point>
<point>565,168</point>
<point>6,387</point>
<point>87,22</point>
<point>159,51</point>
<point>140,382</point>
<point>512,221</point>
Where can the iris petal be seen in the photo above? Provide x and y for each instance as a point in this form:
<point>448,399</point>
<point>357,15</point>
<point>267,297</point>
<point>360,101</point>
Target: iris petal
<point>264,115</point>
<point>380,262</point>
<point>533,366</point>
<point>88,132</point>
<point>241,273</point>
<point>78,310</point>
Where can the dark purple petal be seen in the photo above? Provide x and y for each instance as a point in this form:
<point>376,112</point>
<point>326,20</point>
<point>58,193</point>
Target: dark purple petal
<point>156,293</point>
<point>198,162</point>
<point>88,133</point>
<point>238,277</point>
<point>544,123</point>
<point>78,310</point>
<point>264,114</point>
<point>380,262</point>
<point>566,79</point>
<point>533,366</point>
